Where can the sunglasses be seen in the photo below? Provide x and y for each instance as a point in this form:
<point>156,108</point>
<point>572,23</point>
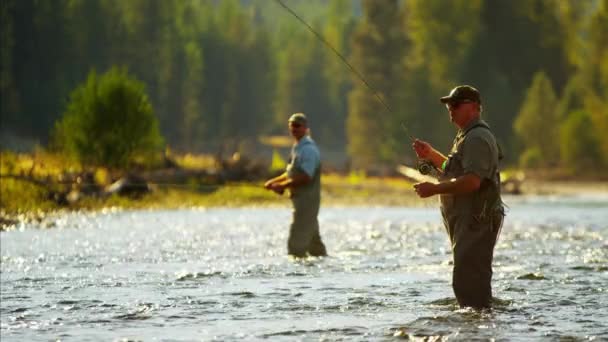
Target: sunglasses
<point>452,106</point>
<point>295,125</point>
<point>455,105</point>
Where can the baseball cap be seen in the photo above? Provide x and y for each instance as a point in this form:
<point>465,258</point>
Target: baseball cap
<point>462,93</point>
<point>298,118</point>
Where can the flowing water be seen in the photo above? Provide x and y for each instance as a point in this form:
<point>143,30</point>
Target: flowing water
<point>191,275</point>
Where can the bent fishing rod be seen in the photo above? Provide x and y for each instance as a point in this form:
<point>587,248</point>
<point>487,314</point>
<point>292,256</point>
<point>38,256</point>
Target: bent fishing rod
<point>345,61</point>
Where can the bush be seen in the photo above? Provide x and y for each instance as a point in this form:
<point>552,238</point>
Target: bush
<point>531,158</point>
<point>579,148</point>
<point>536,123</point>
<point>109,121</point>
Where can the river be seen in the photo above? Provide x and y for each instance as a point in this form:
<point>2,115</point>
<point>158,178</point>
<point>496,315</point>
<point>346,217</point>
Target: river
<point>222,274</point>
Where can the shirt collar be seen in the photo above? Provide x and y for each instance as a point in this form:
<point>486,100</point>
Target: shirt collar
<point>305,140</point>
<point>469,126</point>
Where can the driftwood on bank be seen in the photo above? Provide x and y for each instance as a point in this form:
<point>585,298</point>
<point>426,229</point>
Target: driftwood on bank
<point>130,185</point>
<point>69,188</point>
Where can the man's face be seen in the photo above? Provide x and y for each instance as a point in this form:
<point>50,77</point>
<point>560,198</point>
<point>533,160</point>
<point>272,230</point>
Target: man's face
<point>461,113</point>
<point>297,129</point>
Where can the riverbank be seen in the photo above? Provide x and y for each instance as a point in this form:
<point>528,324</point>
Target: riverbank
<point>561,187</point>
<point>31,194</point>
<point>337,191</point>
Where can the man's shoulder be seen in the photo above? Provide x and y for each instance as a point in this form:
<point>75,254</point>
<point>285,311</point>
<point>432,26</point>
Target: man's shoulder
<point>481,132</point>
<point>480,139</point>
<point>309,149</point>
<point>308,144</point>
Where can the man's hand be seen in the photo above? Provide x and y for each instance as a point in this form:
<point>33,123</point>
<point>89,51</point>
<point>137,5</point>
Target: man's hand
<point>422,148</point>
<point>425,151</point>
<point>273,183</point>
<point>275,186</point>
<point>425,189</point>
<point>278,188</point>
<point>268,184</point>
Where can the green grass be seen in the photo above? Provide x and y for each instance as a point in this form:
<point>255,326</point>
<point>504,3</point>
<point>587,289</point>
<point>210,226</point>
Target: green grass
<point>18,197</point>
<point>22,201</point>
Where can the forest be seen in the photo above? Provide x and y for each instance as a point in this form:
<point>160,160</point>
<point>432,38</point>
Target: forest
<point>219,75</point>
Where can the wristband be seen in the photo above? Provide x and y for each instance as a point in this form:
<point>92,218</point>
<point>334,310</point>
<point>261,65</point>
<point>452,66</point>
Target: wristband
<point>443,165</point>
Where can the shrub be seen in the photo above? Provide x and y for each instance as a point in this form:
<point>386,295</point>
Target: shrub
<point>531,158</point>
<point>579,148</point>
<point>109,121</point>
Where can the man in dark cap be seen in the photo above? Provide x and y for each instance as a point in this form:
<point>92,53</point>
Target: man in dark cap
<point>469,190</point>
<point>303,178</point>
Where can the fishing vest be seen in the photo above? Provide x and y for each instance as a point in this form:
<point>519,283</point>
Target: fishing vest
<point>484,202</point>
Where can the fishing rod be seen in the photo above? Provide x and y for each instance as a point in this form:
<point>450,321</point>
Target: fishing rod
<point>425,167</point>
<point>343,59</point>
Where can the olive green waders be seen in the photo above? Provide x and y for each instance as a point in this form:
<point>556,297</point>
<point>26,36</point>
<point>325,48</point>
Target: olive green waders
<point>304,230</point>
<point>472,247</point>
<point>473,220</point>
<point>304,237</point>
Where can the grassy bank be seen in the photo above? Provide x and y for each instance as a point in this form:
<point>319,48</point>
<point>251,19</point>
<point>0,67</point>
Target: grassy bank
<point>21,197</point>
<point>23,200</point>
<point>28,203</point>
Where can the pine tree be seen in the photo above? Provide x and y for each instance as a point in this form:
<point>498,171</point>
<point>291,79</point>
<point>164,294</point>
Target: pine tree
<point>578,145</point>
<point>537,122</point>
<point>338,28</point>
<point>441,34</point>
<point>301,84</point>
<point>377,47</point>
<point>516,39</point>
<point>597,72</point>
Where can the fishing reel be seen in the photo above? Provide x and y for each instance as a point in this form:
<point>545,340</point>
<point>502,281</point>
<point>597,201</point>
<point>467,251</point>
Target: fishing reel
<point>425,167</point>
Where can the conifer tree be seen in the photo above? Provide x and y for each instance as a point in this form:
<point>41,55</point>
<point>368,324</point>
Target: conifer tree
<point>377,48</point>
<point>537,122</point>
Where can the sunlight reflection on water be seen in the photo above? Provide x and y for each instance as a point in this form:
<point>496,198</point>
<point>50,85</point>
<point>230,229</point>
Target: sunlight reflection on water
<point>222,273</point>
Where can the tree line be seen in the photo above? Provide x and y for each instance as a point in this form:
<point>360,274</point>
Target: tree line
<point>220,74</point>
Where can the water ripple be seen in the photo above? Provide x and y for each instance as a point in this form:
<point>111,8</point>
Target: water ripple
<point>222,274</point>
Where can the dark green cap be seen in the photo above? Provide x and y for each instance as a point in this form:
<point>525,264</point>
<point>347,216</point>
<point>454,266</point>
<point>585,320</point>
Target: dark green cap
<point>462,94</point>
<point>298,118</point>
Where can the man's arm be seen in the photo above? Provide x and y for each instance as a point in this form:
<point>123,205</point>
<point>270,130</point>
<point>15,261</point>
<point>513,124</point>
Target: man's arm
<point>296,181</point>
<point>455,186</point>
<point>275,180</point>
<point>290,182</point>
<point>308,162</point>
<point>461,185</point>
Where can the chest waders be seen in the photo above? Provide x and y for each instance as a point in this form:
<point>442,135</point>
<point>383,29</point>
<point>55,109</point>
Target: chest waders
<point>304,237</point>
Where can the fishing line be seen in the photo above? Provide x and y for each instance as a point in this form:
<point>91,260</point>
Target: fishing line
<point>343,59</point>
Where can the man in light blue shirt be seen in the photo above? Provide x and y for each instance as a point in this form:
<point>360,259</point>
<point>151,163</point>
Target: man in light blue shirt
<point>303,178</point>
